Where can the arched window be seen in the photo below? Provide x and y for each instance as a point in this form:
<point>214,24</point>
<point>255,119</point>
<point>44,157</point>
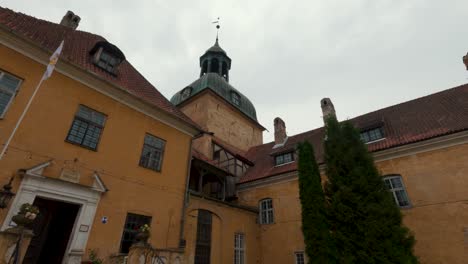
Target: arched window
<point>203,243</point>
<point>394,184</point>
<point>266,211</point>
<point>214,65</point>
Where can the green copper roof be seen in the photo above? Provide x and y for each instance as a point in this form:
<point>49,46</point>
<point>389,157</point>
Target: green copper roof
<point>216,48</point>
<point>221,87</point>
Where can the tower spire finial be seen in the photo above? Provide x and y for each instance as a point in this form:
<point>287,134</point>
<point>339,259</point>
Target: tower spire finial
<point>217,29</point>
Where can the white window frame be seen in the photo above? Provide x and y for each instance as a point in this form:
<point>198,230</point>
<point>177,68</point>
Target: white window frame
<point>265,211</point>
<point>367,134</point>
<point>239,248</point>
<point>282,160</point>
<point>5,90</point>
<point>394,189</point>
<point>300,253</point>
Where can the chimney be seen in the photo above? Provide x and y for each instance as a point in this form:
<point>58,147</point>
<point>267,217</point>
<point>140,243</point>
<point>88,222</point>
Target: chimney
<point>465,61</point>
<point>70,20</point>
<point>280,131</point>
<point>328,109</point>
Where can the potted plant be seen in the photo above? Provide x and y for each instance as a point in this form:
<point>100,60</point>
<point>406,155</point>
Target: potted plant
<point>143,234</point>
<point>26,215</point>
<point>93,258</point>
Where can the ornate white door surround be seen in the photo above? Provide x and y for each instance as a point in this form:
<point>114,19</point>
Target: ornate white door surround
<point>34,184</point>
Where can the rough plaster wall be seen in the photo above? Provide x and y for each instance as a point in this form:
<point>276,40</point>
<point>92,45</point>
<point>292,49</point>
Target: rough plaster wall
<point>224,121</point>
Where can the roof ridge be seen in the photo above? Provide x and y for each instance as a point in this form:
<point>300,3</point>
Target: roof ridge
<point>13,12</point>
<point>371,112</point>
<point>46,35</point>
<point>411,100</point>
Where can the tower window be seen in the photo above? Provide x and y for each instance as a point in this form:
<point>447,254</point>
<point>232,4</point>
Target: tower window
<point>371,135</point>
<point>214,65</point>
<point>394,184</point>
<point>235,98</point>
<point>186,93</point>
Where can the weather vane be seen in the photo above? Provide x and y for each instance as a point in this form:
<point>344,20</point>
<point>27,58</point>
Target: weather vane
<point>217,27</point>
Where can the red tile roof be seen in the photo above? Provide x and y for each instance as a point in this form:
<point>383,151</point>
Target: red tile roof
<point>424,118</point>
<point>48,35</point>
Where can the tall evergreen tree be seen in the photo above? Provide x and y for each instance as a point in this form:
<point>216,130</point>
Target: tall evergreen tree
<point>365,223</point>
<point>314,222</point>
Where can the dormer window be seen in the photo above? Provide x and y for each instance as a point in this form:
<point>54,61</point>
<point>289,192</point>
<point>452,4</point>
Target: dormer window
<point>185,93</point>
<point>284,158</point>
<point>370,135</point>
<point>235,98</point>
<point>107,62</point>
<point>107,56</point>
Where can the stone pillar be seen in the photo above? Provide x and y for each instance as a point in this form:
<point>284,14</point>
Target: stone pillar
<point>8,239</point>
<point>280,131</point>
<point>220,68</point>
<point>208,69</point>
<point>328,110</point>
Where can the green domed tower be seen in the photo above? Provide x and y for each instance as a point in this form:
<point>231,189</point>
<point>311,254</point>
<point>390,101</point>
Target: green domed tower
<point>216,105</point>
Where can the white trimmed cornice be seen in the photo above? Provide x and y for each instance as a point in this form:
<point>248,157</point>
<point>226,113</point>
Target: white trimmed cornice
<point>422,146</point>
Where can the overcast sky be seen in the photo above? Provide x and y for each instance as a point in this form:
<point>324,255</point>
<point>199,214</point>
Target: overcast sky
<point>287,55</point>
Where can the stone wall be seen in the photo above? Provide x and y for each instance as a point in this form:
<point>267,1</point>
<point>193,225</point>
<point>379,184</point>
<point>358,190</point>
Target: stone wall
<point>226,122</point>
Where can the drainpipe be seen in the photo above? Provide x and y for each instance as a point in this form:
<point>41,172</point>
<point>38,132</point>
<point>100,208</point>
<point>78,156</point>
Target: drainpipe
<point>186,195</point>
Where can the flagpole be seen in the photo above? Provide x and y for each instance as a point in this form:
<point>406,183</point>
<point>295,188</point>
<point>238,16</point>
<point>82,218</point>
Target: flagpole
<point>50,68</point>
<point>20,119</point>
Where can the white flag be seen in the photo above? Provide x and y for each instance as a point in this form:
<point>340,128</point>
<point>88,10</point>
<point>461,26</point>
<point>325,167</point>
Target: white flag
<point>53,60</point>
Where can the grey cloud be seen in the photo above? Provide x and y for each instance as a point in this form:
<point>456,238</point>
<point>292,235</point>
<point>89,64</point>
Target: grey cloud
<point>287,55</point>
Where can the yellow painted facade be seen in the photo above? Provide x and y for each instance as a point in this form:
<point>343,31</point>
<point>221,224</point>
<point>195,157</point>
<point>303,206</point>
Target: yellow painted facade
<point>41,138</point>
<point>435,181</point>
<point>227,221</point>
<point>282,238</point>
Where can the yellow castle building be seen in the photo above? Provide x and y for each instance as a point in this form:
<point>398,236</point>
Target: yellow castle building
<point>102,153</point>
